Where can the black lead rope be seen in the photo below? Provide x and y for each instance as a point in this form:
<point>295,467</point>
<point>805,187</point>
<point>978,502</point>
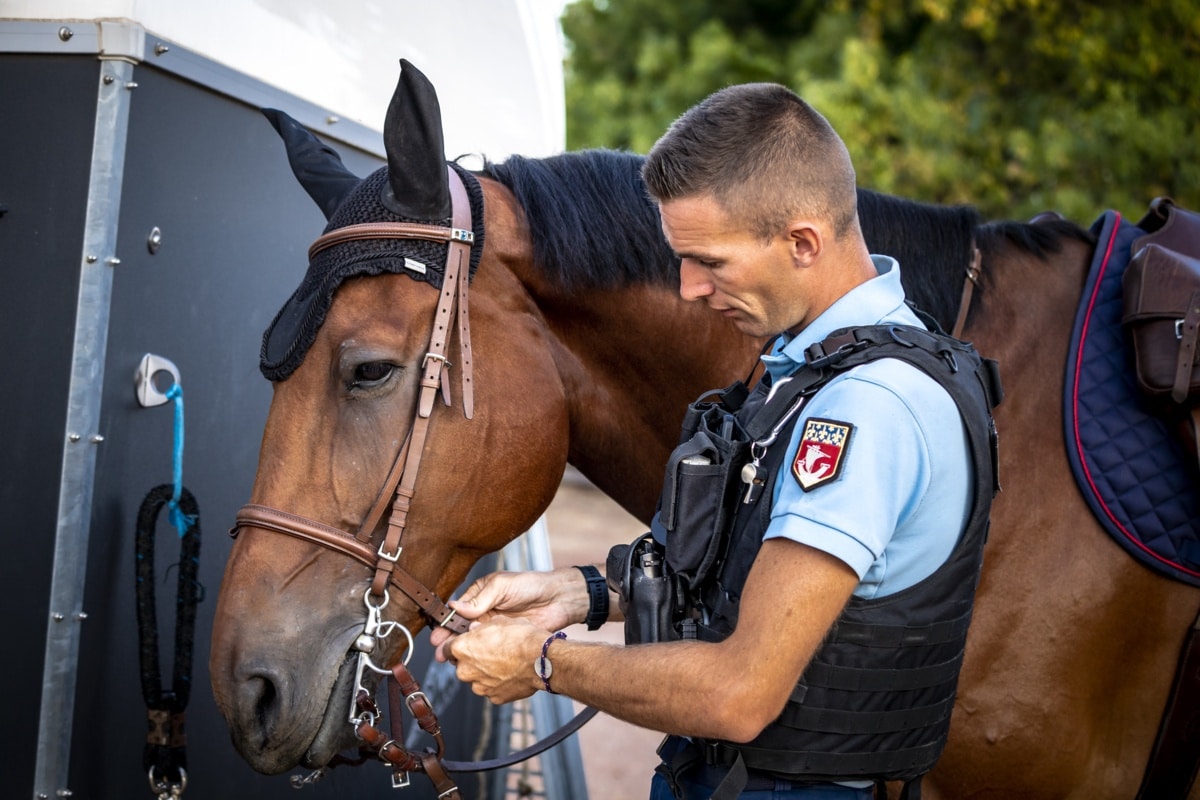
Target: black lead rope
<point>165,753</point>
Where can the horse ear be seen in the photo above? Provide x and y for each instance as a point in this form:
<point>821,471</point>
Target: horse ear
<point>416,152</point>
<point>316,165</point>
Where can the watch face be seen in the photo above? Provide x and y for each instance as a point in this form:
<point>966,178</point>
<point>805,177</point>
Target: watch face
<point>543,667</point>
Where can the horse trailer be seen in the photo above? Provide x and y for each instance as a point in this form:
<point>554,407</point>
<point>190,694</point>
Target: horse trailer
<point>150,227</point>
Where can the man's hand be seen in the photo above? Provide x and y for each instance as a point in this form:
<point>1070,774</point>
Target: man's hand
<point>497,658</point>
<point>547,600</point>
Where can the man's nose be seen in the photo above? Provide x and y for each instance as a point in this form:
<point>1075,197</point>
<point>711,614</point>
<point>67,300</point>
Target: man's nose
<point>694,282</point>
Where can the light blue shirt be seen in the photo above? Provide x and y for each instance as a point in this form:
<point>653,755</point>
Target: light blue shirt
<point>902,496</point>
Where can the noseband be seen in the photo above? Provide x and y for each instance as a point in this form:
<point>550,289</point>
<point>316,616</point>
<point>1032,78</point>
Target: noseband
<point>399,486</point>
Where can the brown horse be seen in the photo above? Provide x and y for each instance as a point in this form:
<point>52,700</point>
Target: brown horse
<point>583,353</point>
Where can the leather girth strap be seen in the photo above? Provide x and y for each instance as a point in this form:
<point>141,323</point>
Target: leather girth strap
<point>1175,757</point>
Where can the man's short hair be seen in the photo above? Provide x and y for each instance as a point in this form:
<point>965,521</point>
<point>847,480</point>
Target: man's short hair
<point>765,156</point>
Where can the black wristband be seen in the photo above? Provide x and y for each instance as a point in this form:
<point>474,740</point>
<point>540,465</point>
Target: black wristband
<point>597,597</point>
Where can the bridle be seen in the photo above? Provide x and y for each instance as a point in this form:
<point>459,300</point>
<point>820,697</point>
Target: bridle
<point>398,487</point>
<point>397,492</point>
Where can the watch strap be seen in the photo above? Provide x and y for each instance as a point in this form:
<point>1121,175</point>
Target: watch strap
<point>597,597</point>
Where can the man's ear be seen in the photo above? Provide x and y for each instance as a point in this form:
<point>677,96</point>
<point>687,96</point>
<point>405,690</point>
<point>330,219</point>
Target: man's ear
<point>806,241</point>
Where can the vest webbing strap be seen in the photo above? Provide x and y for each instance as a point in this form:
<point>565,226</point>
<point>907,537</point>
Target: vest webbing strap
<point>867,722</point>
<point>852,679</point>
<point>817,766</point>
<point>891,636</point>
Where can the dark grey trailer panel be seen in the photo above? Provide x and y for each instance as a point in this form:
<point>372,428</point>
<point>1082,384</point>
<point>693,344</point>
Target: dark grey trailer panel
<point>208,172</point>
<point>45,162</point>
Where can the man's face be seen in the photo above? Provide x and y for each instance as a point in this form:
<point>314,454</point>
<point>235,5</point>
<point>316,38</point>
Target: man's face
<point>752,283</point>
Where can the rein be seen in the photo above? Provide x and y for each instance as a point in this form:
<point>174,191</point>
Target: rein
<point>397,492</point>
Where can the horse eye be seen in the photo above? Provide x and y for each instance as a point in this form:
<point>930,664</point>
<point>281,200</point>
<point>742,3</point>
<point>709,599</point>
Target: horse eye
<point>373,372</point>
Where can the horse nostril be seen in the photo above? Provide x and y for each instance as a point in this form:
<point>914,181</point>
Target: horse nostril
<point>265,702</point>
<point>260,700</point>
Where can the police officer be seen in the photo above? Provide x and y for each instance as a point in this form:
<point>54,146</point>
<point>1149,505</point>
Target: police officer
<point>876,514</point>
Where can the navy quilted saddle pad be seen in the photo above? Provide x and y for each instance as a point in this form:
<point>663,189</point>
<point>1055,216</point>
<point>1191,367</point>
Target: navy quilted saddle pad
<point>1137,477</point>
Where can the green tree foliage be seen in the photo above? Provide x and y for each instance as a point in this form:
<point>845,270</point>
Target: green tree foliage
<point>1015,106</point>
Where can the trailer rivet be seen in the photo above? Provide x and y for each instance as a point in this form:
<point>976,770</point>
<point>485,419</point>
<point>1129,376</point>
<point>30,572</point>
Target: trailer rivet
<point>73,437</point>
<point>108,79</point>
<point>154,240</point>
<point>332,119</point>
<point>95,438</point>
<point>65,34</point>
<point>81,616</point>
<point>58,617</point>
<point>160,48</point>
<point>91,259</point>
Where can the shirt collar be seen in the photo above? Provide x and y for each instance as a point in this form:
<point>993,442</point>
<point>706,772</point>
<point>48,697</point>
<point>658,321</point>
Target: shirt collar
<point>868,303</point>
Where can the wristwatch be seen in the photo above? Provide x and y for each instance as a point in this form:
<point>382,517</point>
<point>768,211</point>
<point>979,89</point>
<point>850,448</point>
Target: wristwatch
<point>597,597</point>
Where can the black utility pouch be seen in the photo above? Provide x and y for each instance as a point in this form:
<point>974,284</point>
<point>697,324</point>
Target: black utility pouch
<point>701,490</point>
<point>657,582</point>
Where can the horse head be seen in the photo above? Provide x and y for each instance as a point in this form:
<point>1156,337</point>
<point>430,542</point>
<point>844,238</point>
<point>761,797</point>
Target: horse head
<point>348,359</point>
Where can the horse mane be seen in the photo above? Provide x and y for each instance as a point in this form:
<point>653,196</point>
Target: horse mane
<point>934,245</point>
<point>591,222</point>
<point>593,225</point>
<point>1042,239</point>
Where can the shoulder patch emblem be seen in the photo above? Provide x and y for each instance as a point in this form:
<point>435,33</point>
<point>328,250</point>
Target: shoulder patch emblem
<point>819,457</point>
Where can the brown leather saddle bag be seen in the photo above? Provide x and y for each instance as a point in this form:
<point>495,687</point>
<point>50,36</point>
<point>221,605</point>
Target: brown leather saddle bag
<point>1162,313</point>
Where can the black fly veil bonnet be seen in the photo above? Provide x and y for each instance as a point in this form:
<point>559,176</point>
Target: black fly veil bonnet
<point>412,188</point>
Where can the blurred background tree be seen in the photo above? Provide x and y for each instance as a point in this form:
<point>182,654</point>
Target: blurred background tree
<point>1015,106</point>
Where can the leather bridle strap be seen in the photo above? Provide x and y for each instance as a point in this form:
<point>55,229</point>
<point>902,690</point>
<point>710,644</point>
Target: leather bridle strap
<point>964,305</point>
<point>391,230</point>
<point>270,519</point>
<point>461,216</point>
<point>405,686</point>
<point>454,289</point>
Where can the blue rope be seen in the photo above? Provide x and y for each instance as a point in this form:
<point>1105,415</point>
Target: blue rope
<point>180,520</point>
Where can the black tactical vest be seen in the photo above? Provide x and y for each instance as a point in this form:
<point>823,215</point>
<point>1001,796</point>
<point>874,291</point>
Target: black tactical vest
<point>875,701</point>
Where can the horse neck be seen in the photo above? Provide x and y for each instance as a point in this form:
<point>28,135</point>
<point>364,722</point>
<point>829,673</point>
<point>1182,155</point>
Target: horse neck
<point>632,359</point>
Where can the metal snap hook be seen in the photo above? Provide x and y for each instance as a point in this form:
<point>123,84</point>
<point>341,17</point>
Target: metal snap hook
<point>163,789</point>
